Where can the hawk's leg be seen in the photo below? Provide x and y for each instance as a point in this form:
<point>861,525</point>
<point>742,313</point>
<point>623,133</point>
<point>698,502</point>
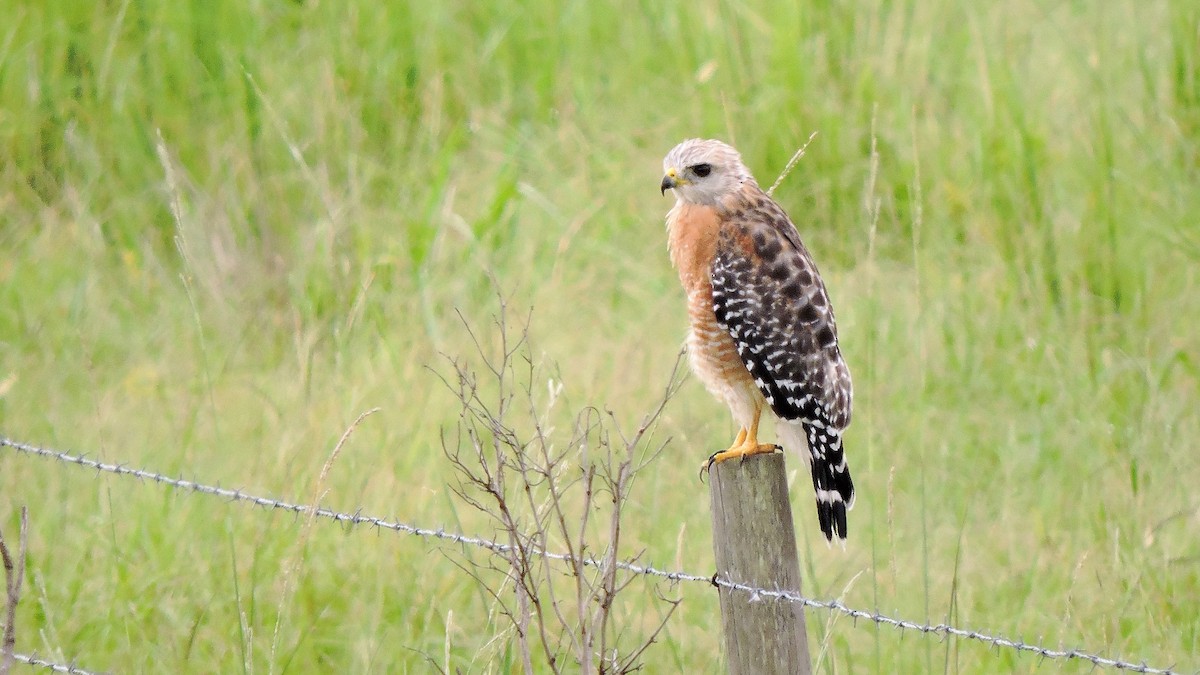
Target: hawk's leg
<point>746,443</point>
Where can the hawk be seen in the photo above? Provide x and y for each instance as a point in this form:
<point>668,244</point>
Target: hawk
<point>762,329</point>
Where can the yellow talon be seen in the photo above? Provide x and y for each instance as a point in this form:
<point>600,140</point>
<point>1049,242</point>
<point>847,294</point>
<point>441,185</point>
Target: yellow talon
<point>745,445</point>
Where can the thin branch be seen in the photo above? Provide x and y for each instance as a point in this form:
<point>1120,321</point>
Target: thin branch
<point>523,482</point>
<point>14,576</point>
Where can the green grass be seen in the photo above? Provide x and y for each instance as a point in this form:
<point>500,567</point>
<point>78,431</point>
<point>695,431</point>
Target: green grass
<point>227,228</point>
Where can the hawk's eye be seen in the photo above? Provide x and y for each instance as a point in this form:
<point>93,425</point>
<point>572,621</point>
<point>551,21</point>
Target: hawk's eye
<point>702,170</point>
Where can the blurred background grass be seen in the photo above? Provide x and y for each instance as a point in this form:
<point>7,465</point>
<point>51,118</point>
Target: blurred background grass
<point>227,228</point>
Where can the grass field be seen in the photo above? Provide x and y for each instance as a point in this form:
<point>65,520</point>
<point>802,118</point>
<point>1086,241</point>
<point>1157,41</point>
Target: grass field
<point>228,228</point>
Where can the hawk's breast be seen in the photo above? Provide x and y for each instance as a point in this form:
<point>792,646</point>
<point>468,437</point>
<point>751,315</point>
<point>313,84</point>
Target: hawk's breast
<point>693,233</point>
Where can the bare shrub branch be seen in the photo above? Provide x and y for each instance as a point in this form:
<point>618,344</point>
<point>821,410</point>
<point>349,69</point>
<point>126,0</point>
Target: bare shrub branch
<point>14,576</point>
<point>547,483</point>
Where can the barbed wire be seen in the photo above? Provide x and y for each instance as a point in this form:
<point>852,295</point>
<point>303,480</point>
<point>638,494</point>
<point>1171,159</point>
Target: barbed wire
<point>357,518</point>
<point>36,661</point>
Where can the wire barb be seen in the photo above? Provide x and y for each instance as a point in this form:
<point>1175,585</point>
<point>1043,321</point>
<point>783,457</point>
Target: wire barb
<point>356,518</point>
<point>36,661</point>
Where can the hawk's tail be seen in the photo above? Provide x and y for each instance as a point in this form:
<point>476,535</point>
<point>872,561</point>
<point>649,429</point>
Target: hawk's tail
<point>831,479</point>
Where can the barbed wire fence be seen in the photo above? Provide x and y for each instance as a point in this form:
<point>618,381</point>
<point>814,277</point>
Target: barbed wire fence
<point>38,662</point>
<point>358,519</point>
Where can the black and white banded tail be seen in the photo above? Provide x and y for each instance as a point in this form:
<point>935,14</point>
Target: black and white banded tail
<point>831,479</point>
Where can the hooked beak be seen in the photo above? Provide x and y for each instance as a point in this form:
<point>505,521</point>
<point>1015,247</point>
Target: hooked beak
<point>668,181</point>
<point>667,184</point>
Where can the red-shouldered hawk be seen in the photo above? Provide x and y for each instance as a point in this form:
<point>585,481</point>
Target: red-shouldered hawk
<point>762,328</point>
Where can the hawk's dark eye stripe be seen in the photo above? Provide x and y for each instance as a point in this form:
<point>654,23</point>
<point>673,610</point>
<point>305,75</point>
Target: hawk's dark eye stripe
<point>702,170</point>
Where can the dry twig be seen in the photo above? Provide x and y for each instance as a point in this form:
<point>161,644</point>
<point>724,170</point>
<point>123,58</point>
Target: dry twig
<point>545,489</point>
<point>14,575</point>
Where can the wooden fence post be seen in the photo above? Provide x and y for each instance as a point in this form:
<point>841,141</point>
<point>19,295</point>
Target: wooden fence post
<point>755,544</point>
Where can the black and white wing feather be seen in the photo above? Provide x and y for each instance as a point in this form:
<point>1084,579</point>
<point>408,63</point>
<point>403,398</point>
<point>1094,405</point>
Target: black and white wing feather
<point>768,295</point>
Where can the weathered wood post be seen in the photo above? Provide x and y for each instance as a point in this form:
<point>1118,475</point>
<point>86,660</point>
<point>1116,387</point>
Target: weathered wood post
<point>755,544</point>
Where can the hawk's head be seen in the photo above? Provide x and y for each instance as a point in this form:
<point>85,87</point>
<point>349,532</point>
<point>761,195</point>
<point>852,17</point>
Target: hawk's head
<point>703,171</point>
